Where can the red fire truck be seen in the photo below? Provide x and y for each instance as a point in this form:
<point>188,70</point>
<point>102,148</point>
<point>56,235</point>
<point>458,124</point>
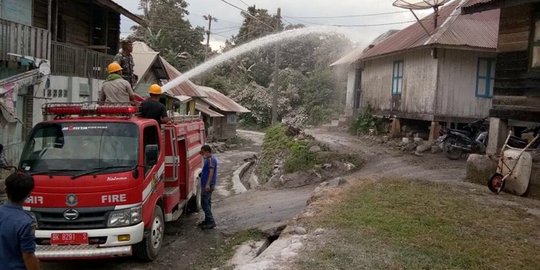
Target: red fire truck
<point>108,180</point>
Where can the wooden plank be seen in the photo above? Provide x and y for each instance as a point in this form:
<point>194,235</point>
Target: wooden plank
<point>517,101</point>
<point>515,37</point>
<point>516,113</point>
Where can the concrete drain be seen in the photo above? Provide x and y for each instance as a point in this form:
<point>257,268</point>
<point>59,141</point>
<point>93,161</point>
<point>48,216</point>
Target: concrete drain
<point>273,235</point>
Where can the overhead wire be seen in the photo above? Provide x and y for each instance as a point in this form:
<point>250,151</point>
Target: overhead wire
<point>346,16</point>
<point>244,3</point>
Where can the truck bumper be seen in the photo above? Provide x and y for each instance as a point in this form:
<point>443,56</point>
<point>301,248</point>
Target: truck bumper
<point>111,248</point>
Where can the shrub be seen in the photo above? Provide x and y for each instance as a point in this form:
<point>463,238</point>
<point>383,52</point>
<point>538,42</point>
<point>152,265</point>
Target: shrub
<point>300,158</point>
<point>275,144</point>
<point>365,121</point>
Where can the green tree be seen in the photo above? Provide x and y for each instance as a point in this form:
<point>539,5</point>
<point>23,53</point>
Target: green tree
<point>169,32</point>
<point>309,91</point>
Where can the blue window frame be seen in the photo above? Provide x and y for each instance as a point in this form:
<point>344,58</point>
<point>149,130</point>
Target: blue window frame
<point>397,78</point>
<point>485,77</point>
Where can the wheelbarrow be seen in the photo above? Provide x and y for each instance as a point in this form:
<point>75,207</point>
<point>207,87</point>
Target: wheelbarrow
<point>514,166</point>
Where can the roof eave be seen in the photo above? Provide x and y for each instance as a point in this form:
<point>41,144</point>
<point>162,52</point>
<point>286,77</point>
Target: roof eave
<point>429,46</point>
<point>494,4</point>
<point>118,8</point>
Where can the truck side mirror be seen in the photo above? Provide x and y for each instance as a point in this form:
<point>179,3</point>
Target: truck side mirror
<point>151,152</point>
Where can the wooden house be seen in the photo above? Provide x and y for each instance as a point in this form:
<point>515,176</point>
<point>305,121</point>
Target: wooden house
<point>516,94</point>
<point>221,113</point>
<point>52,51</point>
<point>435,72</point>
<point>151,68</point>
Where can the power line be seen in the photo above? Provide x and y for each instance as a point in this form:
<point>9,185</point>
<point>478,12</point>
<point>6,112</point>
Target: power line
<point>227,28</point>
<point>226,31</point>
<point>247,13</point>
<point>244,3</point>
<point>351,25</point>
<point>346,16</point>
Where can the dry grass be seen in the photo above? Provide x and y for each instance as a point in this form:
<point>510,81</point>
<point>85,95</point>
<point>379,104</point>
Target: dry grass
<point>399,224</point>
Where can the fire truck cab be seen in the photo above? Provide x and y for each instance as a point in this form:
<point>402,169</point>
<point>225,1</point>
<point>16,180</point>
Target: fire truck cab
<point>106,180</point>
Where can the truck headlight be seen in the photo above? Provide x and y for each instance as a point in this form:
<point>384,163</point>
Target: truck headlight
<point>125,217</point>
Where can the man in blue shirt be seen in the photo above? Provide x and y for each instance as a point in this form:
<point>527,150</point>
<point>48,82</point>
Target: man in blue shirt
<point>208,182</point>
<point>17,240</point>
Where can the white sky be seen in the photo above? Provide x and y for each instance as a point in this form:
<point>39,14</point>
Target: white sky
<point>229,18</point>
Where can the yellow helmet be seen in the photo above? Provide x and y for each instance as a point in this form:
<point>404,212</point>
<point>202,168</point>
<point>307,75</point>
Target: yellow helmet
<point>154,89</point>
<point>113,67</point>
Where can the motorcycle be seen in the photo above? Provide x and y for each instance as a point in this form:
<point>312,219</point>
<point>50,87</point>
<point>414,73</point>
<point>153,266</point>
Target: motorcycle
<point>471,139</point>
<point>518,142</point>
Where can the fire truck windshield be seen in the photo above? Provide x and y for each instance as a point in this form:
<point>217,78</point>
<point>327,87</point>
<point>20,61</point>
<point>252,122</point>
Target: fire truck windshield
<point>72,148</point>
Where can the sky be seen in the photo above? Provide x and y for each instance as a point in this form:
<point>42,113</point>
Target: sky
<point>307,12</point>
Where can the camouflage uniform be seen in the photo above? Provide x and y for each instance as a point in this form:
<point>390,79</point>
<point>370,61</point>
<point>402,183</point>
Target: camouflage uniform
<point>126,62</point>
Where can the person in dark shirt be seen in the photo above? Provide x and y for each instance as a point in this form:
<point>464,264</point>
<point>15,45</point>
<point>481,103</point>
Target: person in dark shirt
<point>152,108</point>
<point>17,239</point>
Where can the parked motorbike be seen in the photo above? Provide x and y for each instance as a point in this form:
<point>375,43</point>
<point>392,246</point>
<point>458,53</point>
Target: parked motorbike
<point>471,139</point>
<point>518,142</point>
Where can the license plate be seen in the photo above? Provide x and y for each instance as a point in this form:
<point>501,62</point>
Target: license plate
<point>69,239</point>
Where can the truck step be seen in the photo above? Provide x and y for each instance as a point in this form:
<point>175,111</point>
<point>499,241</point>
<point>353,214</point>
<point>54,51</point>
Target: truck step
<point>174,216</point>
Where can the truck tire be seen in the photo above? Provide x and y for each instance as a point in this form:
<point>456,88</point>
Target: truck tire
<point>148,249</point>
<point>194,204</point>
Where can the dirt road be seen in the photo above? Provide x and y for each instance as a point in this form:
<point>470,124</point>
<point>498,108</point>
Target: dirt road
<point>185,245</point>
<point>383,161</point>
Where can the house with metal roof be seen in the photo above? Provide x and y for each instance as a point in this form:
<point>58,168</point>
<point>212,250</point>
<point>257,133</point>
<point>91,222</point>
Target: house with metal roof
<point>439,69</point>
<point>52,51</point>
<point>219,112</point>
<point>151,68</point>
<point>516,94</point>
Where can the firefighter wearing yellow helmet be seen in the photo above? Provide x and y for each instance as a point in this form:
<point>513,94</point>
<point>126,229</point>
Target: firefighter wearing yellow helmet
<point>115,89</point>
<point>152,108</point>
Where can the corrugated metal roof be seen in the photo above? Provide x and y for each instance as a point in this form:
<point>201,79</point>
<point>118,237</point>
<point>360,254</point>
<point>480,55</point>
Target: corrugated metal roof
<point>120,9</point>
<point>183,99</point>
<point>221,101</point>
<point>355,54</point>
<point>479,30</point>
<point>186,88</point>
<point>204,108</point>
<point>479,5</point>
<point>144,57</point>
<point>143,62</point>
<point>476,2</point>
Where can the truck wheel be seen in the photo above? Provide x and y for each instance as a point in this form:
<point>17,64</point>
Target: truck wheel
<point>194,204</point>
<point>148,249</point>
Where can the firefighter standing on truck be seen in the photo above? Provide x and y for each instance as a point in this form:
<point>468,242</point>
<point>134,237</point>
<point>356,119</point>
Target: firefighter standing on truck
<point>152,108</point>
<point>115,89</point>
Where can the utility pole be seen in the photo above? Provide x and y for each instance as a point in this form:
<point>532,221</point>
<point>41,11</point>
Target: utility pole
<point>275,89</point>
<point>209,18</point>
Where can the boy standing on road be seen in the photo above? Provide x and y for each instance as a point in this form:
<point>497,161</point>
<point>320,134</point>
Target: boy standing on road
<point>17,240</point>
<point>208,182</point>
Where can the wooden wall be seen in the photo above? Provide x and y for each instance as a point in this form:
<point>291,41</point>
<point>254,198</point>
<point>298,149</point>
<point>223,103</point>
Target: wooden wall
<point>419,82</point>
<point>517,86</point>
<point>456,91</point>
<point>223,130</point>
<point>77,21</point>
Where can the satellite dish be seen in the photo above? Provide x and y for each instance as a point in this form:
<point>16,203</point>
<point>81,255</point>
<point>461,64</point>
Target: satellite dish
<point>422,4</point>
<point>417,4</point>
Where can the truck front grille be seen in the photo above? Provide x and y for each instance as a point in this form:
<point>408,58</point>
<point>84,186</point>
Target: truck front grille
<point>88,218</point>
